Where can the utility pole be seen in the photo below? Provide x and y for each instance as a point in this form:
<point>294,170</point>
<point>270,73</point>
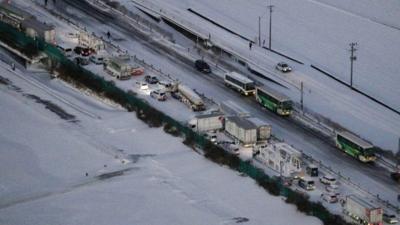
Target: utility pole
<point>270,25</point>
<point>259,31</point>
<point>352,59</point>
<point>301,95</point>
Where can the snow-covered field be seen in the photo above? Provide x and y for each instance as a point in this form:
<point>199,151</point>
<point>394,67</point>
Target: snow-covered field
<point>315,34</point>
<point>45,160</point>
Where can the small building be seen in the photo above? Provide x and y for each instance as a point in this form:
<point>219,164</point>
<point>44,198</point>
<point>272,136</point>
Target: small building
<point>23,20</point>
<point>282,158</point>
<point>37,29</point>
<point>90,41</point>
<point>241,129</point>
<point>12,15</point>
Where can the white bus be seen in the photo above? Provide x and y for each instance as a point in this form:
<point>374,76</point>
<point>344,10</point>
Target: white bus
<point>239,82</point>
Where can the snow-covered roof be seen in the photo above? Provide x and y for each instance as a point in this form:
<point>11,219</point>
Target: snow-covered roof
<point>239,77</point>
<point>242,122</point>
<point>37,25</point>
<point>258,122</point>
<point>352,137</point>
<point>202,116</point>
<point>273,93</point>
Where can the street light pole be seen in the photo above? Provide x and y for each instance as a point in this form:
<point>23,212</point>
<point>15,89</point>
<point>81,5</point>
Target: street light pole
<point>301,95</point>
<point>270,25</point>
<point>352,59</point>
<point>259,31</point>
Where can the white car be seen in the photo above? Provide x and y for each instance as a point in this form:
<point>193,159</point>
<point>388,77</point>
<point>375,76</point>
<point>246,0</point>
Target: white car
<point>329,197</point>
<point>283,67</point>
<point>97,59</point>
<point>332,188</point>
<point>159,95</point>
<point>210,136</point>
<point>142,85</point>
<point>327,179</point>
<point>389,218</point>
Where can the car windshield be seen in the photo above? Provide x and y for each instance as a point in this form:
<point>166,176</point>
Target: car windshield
<point>250,86</point>
<point>202,63</point>
<point>369,152</point>
<point>287,105</point>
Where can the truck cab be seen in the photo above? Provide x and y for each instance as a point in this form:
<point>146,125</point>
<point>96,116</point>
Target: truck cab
<point>307,183</point>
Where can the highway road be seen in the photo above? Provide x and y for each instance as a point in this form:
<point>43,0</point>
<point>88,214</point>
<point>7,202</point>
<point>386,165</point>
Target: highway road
<point>371,177</point>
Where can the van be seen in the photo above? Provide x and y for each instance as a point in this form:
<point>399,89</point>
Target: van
<point>65,50</point>
<point>306,183</point>
<point>97,59</point>
<point>389,218</point>
<point>159,95</point>
<point>327,179</point>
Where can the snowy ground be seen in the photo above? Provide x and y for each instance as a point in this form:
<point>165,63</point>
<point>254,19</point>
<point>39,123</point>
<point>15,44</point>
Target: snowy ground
<point>322,35</point>
<point>360,174</point>
<point>45,158</point>
<point>191,80</point>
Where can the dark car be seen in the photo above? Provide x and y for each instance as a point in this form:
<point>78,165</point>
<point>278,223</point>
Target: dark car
<point>395,176</point>
<point>151,79</point>
<point>82,61</point>
<point>202,66</point>
<point>83,51</point>
<point>283,67</point>
<point>176,95</point>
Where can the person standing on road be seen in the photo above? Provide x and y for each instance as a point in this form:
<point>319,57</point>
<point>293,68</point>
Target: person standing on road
<point>108,34</point>
<point>250,45</point>
<point>13,66</point>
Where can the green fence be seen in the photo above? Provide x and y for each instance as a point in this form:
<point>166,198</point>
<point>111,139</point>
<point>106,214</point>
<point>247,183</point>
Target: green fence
<point>72,72</point>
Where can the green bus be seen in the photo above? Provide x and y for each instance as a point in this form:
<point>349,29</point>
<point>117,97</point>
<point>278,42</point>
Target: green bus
<point>355,146</point>
<point>274,101</point>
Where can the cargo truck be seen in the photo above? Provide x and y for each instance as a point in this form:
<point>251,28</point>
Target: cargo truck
<point>207,122</point>
<point>118,68</point>
<point>189,97</point>
<point>360,211</point>
<point>241,129</point>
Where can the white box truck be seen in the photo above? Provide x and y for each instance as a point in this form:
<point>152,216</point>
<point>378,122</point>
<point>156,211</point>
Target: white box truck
<point>241,129</point>
<point>207,122</point>
<point>360,211</point>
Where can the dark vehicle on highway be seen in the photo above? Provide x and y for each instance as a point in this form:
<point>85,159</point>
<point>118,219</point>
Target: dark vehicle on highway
<point>202,66</point>
<point>82,61</point>
<point>151,79</point>
<point>395,176</point>
<point>83,51</point>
